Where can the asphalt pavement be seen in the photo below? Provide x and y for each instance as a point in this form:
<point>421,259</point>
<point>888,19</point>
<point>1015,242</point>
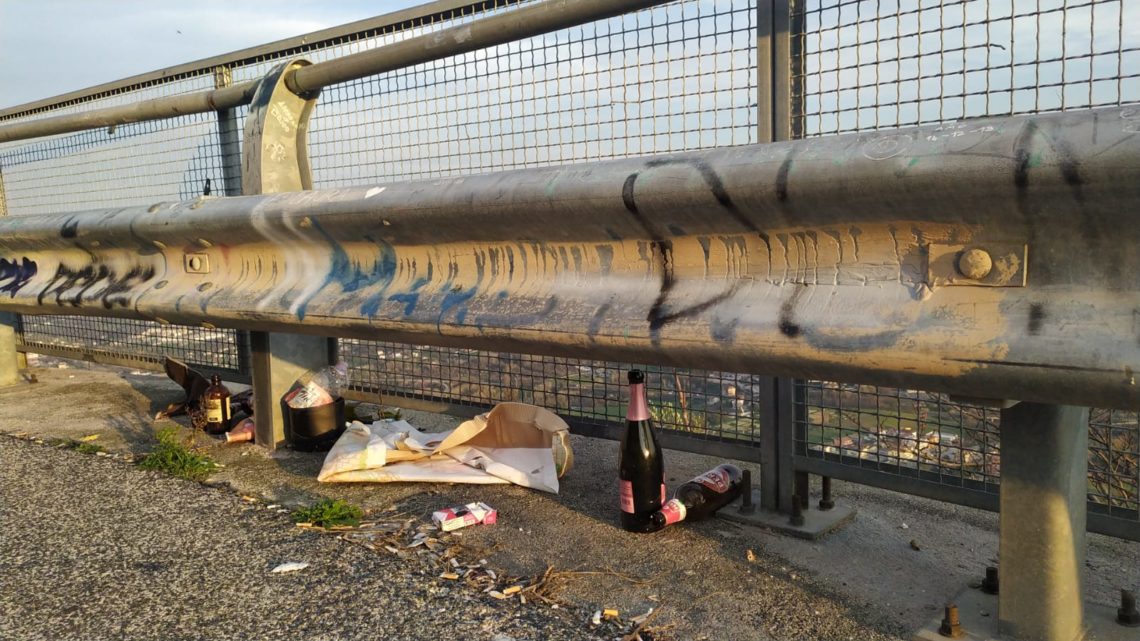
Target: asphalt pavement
<point>94,548</point>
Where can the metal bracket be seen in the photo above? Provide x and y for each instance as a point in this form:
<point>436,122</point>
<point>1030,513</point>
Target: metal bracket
<point>196,263</point>
<point>275,157</point>
<point>977,264</point>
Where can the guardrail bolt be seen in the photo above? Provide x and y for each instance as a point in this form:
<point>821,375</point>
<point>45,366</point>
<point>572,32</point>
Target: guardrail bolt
<point>975,264</point>
<point>1127,614</point>
<point>797,519</point>
<point>825,502</point>
<point>951,627</point>
<point>990,583</point>
<point>746,506</point>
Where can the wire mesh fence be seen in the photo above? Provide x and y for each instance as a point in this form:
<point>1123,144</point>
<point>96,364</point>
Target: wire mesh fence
<point>868,65</point>
<point>700,404</point>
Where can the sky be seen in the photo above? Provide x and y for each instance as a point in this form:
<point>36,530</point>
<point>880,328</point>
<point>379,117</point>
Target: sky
<point>51,47</point>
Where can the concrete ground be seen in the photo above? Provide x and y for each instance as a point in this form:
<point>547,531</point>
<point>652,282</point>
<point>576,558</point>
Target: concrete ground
<point>710,580</point>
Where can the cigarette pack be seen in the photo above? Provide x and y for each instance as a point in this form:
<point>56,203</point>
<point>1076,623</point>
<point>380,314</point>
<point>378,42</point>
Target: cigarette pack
<point>454,518</point>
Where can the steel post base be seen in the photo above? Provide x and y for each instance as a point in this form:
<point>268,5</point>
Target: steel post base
<point>817,523</point>
<point>977,613</point>
<point>1044,480</point>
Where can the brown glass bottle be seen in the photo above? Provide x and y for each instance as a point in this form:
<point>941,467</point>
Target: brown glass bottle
<point>701,497</point>
<point>216,403</point>
<point>641,471</point>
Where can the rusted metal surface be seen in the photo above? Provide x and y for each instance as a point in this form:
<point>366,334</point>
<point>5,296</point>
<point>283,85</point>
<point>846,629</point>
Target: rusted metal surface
<point>806,258</point>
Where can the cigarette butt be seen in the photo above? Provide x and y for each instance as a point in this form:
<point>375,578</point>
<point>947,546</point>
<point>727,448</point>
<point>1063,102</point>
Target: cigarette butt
<point>511,590</point>
<point>450,576</point>
<point>610,613</point>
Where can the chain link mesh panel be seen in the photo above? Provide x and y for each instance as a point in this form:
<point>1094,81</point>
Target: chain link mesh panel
<point>868,65</point>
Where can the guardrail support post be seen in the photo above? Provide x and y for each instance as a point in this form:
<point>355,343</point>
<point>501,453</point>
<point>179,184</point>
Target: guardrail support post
<point>1044,485</point>
<point>11,360</point>
<point>275,159</point>
<point>9,357</point>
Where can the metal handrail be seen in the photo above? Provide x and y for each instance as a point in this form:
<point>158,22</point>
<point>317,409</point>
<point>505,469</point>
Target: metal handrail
<point>524,22</point>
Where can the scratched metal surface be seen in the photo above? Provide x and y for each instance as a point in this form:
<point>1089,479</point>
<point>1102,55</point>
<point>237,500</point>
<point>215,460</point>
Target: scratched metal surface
<point>789,258</point>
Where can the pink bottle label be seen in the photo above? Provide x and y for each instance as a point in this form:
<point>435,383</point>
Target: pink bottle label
<point>626,492</point>
<point>638,408</point>
<point>625,489</point>
<point>674,511</point>
<point>716,480</point>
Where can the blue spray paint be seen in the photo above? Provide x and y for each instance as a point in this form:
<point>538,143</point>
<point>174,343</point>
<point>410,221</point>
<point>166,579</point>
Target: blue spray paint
<point>17,272</point>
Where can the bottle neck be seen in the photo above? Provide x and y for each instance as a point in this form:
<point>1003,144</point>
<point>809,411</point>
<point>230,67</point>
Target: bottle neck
<point>638,407</point>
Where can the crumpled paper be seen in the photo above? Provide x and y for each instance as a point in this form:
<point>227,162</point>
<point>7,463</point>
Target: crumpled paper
<point>513,443</point>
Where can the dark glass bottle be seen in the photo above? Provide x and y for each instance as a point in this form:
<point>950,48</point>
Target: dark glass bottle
<point>641,473</point>
<point>216,402</point>
<point>701,497</point>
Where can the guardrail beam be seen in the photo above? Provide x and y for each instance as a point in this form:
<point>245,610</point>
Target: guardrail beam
<point>835,258</point>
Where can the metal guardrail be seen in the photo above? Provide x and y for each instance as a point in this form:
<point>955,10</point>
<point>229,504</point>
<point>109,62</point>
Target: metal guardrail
<point>978,293</point>
<point>787,258</point>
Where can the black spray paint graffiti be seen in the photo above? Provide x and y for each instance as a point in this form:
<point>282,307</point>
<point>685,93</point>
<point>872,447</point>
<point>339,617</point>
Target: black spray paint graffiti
<point>74,287</point>
<point>658,315</point>
<point>14,274</point>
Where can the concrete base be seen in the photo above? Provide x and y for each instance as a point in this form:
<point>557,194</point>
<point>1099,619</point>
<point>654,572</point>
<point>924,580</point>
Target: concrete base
<point>977,612</point>
<point>817,523</point>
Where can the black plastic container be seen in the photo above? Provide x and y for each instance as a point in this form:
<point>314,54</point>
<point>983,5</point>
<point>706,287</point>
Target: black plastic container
<point>313,429</point>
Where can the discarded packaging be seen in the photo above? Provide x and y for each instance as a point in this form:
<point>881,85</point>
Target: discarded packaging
<point>457,517</point>
<point>513,443</point>
<point>318,387</point>
<point>291,566</point>
<point>243,432</point>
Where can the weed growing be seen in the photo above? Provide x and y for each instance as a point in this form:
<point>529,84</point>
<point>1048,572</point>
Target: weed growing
<point>329,513</point>
<point>176,459</point>
<point>78,446</point>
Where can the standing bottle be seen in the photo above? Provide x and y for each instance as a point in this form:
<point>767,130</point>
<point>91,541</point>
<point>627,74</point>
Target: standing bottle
<point>701,497</point>
<point>641,472</point>
<point>216,400</point>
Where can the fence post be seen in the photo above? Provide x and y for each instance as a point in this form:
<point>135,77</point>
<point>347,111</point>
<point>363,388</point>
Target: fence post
<point>275,159</point>
<point>774,81</point>
<point>229,142</point>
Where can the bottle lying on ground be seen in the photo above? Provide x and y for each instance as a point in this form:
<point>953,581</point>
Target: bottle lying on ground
<point>641,473</point>
<point>701,497</point>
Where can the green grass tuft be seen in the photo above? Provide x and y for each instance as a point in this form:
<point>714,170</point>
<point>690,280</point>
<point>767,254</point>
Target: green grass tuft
<point>176,459</point>
<point>88,448</point>
<point>78,446</point>
<point>328,513</point>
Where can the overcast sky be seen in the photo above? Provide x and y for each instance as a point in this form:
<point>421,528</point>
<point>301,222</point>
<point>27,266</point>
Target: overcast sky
<point>50,47</point>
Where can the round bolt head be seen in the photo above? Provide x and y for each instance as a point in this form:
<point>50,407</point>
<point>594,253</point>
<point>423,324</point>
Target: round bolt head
<point>975,264</point>
<point>195,263</point>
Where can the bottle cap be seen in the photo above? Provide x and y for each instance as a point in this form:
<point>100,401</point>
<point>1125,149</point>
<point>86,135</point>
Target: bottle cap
<point>636,376</point>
